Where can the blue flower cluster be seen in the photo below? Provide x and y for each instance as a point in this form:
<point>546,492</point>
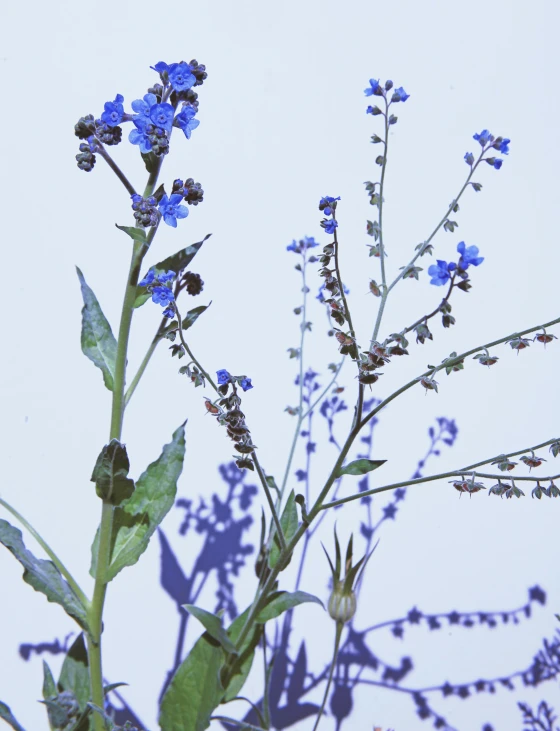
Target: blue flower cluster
<point>376,89</point>
<point>225,377</point>
<point>442,271</point>
<point>308,242</point>
<point>159,285</point>
<point>488,142</point>
<point>154,115</point>
<point>327,204</point>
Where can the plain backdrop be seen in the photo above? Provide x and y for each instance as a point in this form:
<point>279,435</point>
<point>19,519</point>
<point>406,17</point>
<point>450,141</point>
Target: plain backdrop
<point>282,123</point>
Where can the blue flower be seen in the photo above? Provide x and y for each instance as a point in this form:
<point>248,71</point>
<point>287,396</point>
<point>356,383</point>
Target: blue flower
<point>399,95</point>
<point>142,108</point>
<point>223,377</point>
<point>181,76</point>
<point>468,256</point>
<point>246,384</point>
<point>162,296</point>
<point>148,279</point>
<point>168,276</point>
<point>440,272</point>
<point>369,110</point>
<point>293,246</point>
<point>504,146</point>
<point>169,312</point>
<point>329,225</point>
<point>114,112</point>
<point>373,88</point>
<point>484,137</point>
<point>162,116</point>
<point>160,67</point>
<point>497,163</point>
<point>185,120</point>
<point>469,158</point>
<point>324,204</point>
<point>139,136</point>
<point>171,209</point>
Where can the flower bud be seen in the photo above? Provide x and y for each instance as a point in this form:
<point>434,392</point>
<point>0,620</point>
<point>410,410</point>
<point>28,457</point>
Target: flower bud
<point>342,604</point>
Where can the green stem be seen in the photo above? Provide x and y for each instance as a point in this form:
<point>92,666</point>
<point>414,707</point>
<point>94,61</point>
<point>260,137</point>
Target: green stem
<point>106,524</point>
<point>189,351</point>
<point>275,518</point>
<point>339,627</point>
<point>50,553</point>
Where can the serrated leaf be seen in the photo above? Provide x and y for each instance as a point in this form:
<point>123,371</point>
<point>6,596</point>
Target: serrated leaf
<point>97,339</point>
<point>7,715</point>
<point>43,575</point>
<point>110,474</point>
<point>136,519</point>
<point>360,467</point>
<point>195,689</point>
<point>175,262</point>
<point>137,234</point>
<point>49,685</point>
<point>74,674</point>
<point>289,523</point>
<point>284,600</point>
<point>213,625</point>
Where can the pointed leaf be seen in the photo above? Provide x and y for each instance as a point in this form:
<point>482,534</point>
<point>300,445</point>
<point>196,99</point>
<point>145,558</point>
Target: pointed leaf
<point>243,663</point>
<point>49,686</point>
<point>213,625</point>
<point>43,575</point>
<point>289,523</point>
<point>284,600</point>
<point>138,234</point>
<point>175,263</point>
<point>195,690</point>
<point>98,341</point>
<point>74,674</point>
<point>110,474</point>
<point>188,320</point>
<point>137,518</point>
<point>360,467</point>
<point>6,715</point>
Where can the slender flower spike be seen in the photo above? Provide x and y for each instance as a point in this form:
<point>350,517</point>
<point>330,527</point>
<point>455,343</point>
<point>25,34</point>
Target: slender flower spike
<point>171,210</point>
<point>223,377</point>
<point>114,112</point>
<point>468,256</point>
<point>440,273</point>
<point>373,88</point>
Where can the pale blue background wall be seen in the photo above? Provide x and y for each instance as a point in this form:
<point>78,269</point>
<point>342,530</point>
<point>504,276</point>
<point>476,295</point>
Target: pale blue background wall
<point>282,123</point>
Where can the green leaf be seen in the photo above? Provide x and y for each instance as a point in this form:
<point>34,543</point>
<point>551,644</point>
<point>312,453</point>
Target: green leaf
<point>213,625</point>
<point>137,518</point>
<point>74,674</point>
<point>151,161</point>
<point>43,575</point>
<point>7,715</point>
<point>49,686</point>
<point>175,263</point>
<point>195,689</point>
<point>289,523</point>
<point>188,321</point>
<point>242,666</point>
<point>110,474</point>
<point>360,467</point>
<point>284,600</point>
<point>138,234</point>
<point>98,341</point>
